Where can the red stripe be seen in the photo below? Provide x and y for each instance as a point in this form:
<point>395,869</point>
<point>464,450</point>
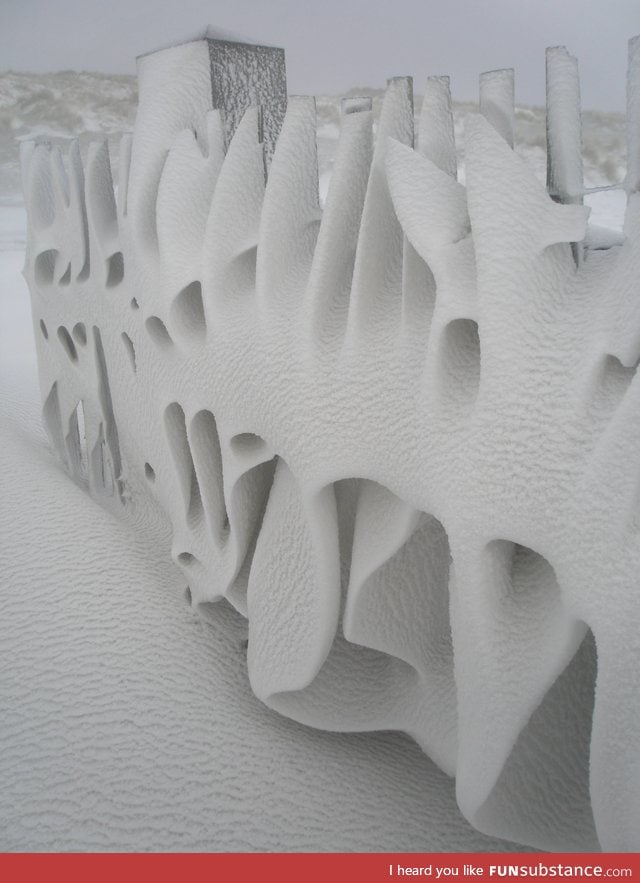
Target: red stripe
<point>332,867</point>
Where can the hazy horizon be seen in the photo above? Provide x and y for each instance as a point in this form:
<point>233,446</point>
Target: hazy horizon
<point>337,46</point>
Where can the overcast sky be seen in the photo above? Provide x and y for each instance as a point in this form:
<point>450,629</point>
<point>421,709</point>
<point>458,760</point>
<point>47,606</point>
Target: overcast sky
<point>334,45</point>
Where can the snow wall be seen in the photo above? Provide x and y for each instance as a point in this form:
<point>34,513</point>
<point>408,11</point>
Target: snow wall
<point>397,432</point>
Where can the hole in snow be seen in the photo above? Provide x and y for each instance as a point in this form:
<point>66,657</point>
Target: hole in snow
<point>187,312</point>
<point>85,272</point>
<point>115,269</point>
<point>398,599</point>
<point>67,343</point>
<point>561,763</point>
<point>45,266</point>
<point>149,472</point>
<point>65,279</point>
<point>53,420</point>
<point>111,447</point>
<point>187,596</point>
<point>246,443</point>
<point>176,430</point>
<point>612,381</point>
<point>77,444</point>
<point>207,458</point>
<point>248,497</point>
<point>606,220</point>
<point>526,589</point>
<point>158,332</point>
<point>43,329</point>
<point>460,362</point>
<point>530,573</point>
<point>128,345</point>
<point>186,559</point>
<point>134,304</point>
<point>101,466</point>
<point>80,333</point>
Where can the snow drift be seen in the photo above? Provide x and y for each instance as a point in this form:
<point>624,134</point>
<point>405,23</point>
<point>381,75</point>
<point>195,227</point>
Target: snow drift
<point>396,431</point>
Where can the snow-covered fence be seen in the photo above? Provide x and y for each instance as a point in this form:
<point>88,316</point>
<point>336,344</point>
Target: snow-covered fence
<point>398,433</point>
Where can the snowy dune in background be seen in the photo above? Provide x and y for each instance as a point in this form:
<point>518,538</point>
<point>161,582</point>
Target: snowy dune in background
<point>59,106</point>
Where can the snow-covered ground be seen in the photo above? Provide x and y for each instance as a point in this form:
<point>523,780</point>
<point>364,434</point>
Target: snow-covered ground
<point>126,722</point>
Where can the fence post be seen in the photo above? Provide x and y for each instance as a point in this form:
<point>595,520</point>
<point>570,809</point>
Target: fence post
<point>564,132</point>
<point>632,180</point>
<point>497,98</point>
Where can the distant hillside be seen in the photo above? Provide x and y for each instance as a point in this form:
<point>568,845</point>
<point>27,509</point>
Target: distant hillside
<point>60,105</point>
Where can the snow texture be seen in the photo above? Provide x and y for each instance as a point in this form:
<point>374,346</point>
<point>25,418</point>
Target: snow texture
<point>129,724</point>
<point>127,721</point>
<point>397,433</point>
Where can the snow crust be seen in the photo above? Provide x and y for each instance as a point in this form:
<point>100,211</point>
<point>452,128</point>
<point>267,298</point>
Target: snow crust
<point>397,432</point>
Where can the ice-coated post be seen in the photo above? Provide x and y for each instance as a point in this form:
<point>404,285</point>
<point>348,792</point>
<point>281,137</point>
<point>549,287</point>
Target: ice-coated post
<point>564,127</point>
<point>497,97</point>
<point>245,74</point>
<point>436,137</point>
<point>565,181</point>
<point>177,88</point>
<point>632,181</point>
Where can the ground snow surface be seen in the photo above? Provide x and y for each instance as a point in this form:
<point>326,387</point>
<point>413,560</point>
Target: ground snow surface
<point>128,723</point>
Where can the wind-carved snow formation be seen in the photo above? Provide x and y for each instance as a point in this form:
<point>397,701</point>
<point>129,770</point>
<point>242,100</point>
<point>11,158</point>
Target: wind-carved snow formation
<point>399,433</point>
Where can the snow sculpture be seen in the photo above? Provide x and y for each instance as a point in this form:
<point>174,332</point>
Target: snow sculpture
<point>399,433</point>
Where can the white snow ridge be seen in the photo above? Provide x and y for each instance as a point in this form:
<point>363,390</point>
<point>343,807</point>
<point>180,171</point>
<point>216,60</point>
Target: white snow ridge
<point>397,432</point>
